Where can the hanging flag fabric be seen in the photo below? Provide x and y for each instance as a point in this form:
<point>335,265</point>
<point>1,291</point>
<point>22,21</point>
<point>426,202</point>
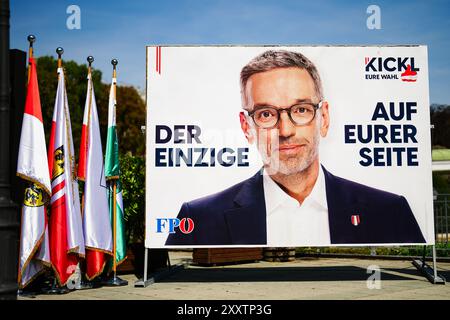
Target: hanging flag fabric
<point>112,172</point>
<point>112,143</point>
<point>32,166</point>
<point>96,225</point>
<point>65,227</point>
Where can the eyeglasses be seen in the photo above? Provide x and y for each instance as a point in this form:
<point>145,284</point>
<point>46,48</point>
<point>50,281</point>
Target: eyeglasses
<point>300,114</point>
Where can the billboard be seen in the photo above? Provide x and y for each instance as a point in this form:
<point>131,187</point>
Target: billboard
<point>288,146</point>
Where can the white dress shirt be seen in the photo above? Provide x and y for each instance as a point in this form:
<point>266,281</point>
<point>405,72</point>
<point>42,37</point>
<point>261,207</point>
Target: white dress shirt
<point>291,224</point>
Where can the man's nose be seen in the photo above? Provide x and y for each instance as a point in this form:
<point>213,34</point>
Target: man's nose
<point>285,126</point>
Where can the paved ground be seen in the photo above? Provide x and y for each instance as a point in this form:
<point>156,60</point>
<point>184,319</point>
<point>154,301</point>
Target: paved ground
<point>307,278</point>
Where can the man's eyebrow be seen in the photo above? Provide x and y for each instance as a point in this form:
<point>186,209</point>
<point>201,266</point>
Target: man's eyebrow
<point>304,100</point>
<point>263,104</point>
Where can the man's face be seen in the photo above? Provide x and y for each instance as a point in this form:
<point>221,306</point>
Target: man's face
<point>287,148</point>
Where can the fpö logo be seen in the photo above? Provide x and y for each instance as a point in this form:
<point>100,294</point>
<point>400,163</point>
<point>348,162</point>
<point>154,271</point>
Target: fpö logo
<point>168,225</point>
<point>391,68</point>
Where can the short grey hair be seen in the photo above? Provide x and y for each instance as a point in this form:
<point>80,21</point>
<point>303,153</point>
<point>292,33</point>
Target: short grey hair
<point>272,59</point>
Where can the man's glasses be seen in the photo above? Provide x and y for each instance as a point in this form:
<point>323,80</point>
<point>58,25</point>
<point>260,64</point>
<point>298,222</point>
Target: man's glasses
<point>300,114</point>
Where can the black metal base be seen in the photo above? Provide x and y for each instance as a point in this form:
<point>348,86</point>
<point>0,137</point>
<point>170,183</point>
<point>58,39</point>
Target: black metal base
<point>55,290</point>
<point>114,282</point>
<point>428,272</point>
<point>27,294</point>
<point>83,285</point>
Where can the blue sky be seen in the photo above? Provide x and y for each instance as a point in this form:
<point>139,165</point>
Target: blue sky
<point>122,29</point>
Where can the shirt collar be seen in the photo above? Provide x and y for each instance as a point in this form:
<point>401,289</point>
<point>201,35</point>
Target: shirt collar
<point>275,196</point>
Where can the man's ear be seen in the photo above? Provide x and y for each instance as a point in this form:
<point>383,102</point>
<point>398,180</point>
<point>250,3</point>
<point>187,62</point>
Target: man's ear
<point>325,119</point>
<point>246,128</point>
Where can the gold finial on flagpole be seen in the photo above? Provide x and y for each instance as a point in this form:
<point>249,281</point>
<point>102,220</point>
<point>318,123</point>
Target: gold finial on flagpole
<point>90,59</point>
<point>114,62</point>
<point>59,51</point>
<point>31,39</point>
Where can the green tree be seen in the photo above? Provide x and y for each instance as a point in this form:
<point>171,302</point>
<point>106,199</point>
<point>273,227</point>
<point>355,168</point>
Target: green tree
<point>133,183</point>
<point>130,118</point>
<point>130,106</point>
<point>440,118</point>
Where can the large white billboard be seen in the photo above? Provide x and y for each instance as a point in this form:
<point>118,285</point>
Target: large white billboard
<point>288,146</point>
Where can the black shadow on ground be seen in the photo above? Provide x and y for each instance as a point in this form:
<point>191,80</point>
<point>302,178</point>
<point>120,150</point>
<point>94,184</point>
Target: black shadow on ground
<point>415,272</point>
<point>280,274</point>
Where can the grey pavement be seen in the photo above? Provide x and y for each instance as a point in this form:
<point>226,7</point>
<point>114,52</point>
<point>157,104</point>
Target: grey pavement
<point>304,278</point>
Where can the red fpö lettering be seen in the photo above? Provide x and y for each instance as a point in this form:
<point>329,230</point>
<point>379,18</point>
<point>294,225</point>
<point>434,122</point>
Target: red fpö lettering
<point>186,225</point>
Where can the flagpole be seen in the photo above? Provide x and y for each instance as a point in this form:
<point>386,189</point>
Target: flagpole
<point>55,288</point>
<point>31,39</point>
<point>86,284</point>
<point>114,182</point>
<point>89,59</point>
<point>114,229</point>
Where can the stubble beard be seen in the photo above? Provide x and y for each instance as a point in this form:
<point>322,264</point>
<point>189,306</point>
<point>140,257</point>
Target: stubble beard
<point>296,164</point>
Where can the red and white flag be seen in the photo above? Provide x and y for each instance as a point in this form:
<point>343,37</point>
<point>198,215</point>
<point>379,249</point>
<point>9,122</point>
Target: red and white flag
<point>96,220</point>
<point>65,227</point>
<point>32,166</point>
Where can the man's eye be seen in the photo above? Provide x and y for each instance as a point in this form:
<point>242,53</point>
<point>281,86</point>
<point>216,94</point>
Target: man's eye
<point>266,114</point>
<point>302,110</point>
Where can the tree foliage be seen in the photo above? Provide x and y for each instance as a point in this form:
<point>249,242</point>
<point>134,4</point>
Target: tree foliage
<point>133,183</point>
<point>130,118</point>
<point>440,118</point>
<point>130,106</point>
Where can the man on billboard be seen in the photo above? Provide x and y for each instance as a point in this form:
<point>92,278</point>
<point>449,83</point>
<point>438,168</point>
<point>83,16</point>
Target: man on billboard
<point>293,200</point>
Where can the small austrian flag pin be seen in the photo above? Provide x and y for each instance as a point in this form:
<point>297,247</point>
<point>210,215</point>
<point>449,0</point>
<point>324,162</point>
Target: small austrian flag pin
<point>355,220</point>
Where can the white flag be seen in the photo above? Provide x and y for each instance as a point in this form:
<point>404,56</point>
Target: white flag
<point>32,166</point>
<point>96,221</point>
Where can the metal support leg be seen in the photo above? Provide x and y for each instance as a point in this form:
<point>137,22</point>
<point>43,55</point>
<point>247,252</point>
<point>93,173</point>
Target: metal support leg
<point>168,259</point>
<point>430,273</point>
<point>142,283</point>
<point>145,264</point>
<point>434,263</point>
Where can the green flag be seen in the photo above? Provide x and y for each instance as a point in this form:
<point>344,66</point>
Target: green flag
<point>112,174</point>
